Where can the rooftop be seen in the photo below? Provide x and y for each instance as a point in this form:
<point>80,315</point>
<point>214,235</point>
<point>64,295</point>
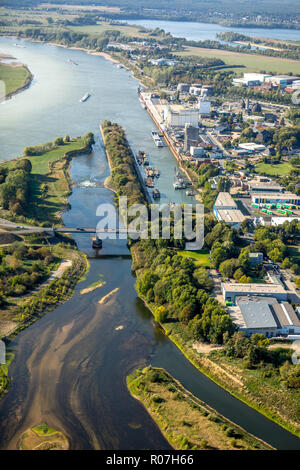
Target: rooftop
<point>285,195</point>
<point>257,185</point>
<point>253,288</point>
<point>225,200</point>
<point>257,315</point>
<point>231,215</point>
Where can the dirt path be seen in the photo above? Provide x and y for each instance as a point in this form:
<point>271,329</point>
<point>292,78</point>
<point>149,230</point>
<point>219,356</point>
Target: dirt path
<point>57,274</point>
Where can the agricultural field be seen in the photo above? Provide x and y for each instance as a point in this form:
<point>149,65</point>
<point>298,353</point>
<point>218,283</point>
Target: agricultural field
<point>247,62</point>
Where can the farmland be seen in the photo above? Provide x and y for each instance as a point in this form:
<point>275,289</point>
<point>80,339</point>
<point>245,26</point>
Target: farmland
<point>247,62</point>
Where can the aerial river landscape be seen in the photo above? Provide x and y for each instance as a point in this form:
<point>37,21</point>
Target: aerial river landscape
<point>70,367</point>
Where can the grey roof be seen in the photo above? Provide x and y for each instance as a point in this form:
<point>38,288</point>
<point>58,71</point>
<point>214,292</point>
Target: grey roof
<point>257,315</point>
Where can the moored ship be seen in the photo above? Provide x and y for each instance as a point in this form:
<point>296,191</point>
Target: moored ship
<point>157,139</point>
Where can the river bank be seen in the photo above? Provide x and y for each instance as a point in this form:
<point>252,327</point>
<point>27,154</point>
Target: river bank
<point>227,375</point>
<point>72,375</point>
<point>50,183</point>
<point>16,77</point>
<point>186,421</point>
<point>59,287</point>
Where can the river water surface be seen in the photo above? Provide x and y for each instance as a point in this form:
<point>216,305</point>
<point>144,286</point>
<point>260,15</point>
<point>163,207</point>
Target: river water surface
<point>202,31</point>
<point>70,367</point>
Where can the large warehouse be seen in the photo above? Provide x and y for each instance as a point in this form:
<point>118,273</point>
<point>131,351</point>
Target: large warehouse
<point>275,198</point>
<point>226,210</point>
<point>264,315</point>
<point>232,290</point>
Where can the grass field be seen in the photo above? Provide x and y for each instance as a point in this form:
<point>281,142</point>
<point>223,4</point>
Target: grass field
<point>201,257</point>
<point>248,62</point>
<point>49,184</point>
<point>13,77</point>
<point>279,169</point>
<point>99,29</point>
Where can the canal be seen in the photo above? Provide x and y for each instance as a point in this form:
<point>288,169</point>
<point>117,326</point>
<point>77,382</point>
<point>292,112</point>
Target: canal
<point>70,367</point>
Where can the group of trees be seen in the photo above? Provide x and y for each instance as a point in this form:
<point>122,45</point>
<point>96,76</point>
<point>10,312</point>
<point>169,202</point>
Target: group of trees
<point>51,295</point>
<point>15,186</point>
<point>286,51</point>
<point>67,38</point>
<point>274,243</point>
<point>123,174</point>
<point>179,292</point>
<point>22,268</point>
<point>254,353</point>
<point>40,149</point>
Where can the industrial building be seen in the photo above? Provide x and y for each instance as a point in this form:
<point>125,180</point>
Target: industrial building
<point>264,315</point>
<point>252,147</point>
<point>232,290</point>
<point>196,151</point>
<point>224,201</point>
<point>204,106</point>
<point>275,198</point>
<point>191,137</point>
<point>226,210</point>
<point>262,187</point>
<point>183,87</point>
<point>256,258</point>
<point>179,116</point>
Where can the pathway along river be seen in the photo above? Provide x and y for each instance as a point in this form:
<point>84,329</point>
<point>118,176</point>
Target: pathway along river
<point>70,366</point>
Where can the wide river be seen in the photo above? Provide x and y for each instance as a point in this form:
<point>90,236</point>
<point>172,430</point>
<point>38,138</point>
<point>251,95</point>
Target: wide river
<point>202,31</point>
<point>70,367</point>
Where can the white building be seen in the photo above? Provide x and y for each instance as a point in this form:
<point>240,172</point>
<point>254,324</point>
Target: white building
<point>280,220</point>
<point>181,117</point>
<point>232,290</point>
<point>226,210</point>
<point>261,77</point>
<point>195,90</point>
<point>204,106</point>
<point>197,151</point>
<point>252,147</point>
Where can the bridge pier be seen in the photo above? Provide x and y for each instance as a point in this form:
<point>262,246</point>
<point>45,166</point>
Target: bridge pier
<point>97,243</point>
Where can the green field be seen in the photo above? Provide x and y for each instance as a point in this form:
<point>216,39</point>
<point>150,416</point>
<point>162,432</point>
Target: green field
<point>248,62</point>
<point>279,169</point>
<point>44,430</point>
<point>13,77</point>
<point>49,184</point>
<point>100,28</point>
<point>201,257</point>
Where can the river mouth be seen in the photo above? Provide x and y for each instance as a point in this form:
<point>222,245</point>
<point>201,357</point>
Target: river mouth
<point>70,367</point>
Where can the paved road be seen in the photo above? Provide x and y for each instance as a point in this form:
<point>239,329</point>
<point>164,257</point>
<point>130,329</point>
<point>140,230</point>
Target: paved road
<point>217,292</point>
<point>27,229</point>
